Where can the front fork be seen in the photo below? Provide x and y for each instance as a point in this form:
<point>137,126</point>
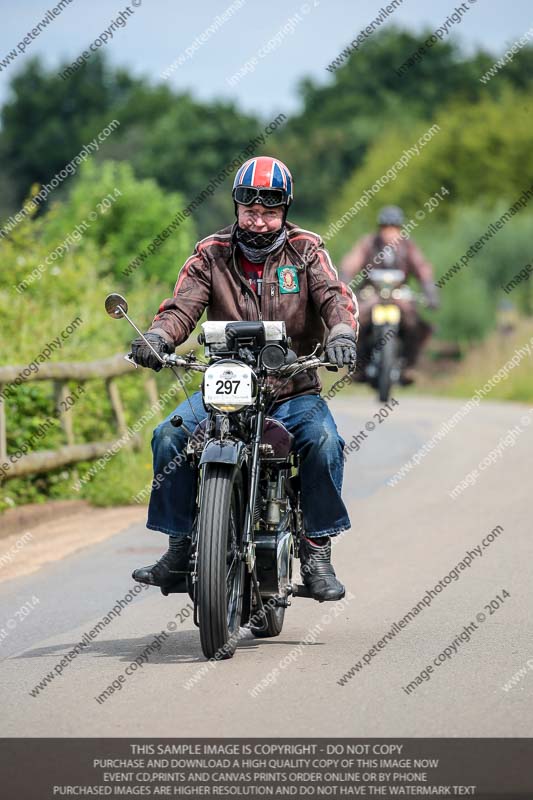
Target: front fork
<point>248,546</point>
<point>248,543</point>
<point>249,519</point>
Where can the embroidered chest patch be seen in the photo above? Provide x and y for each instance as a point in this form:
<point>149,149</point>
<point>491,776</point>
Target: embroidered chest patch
<point>288,280</point>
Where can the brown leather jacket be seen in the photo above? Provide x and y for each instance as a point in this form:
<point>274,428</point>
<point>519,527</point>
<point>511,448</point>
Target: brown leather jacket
<point>300,286</point>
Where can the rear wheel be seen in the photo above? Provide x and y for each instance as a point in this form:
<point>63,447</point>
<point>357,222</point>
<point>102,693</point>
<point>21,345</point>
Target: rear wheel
<point>274,618</point>
<point>220,564</point>
<point>270,623</point>
<point>386,366</point>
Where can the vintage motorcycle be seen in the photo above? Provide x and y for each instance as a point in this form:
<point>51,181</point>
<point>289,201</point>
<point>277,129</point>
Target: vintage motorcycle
<point>386,360</point>
<point>248,520</point>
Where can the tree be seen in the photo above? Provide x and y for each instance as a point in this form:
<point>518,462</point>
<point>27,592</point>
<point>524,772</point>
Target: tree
<point>342,119</point>
<point>188,146</point>
<point>480,152</point>
<point>48,120</point>
<point>138,211</point>
<point>178,141</point>
<point>60,266</point>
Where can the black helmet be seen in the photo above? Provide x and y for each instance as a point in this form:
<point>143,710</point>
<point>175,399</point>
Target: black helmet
<point>391,215</point>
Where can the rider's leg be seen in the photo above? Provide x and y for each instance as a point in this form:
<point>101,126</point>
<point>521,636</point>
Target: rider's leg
<point>172,501</point>
<point>414,332</point>
<point>320,448</point>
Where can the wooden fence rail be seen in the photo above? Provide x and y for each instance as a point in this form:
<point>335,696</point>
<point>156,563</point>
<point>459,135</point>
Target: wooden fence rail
<point>60,373</point>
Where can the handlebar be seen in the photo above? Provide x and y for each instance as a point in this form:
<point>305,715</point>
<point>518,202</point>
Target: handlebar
<point>403,292</point>
<point>174,360</point>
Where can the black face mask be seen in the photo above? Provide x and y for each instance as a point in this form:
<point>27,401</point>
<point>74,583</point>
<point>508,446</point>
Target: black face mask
<point>258,246</point>
<point>256,240</point>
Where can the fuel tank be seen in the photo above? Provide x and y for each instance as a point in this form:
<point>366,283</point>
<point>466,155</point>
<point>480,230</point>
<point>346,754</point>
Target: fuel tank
<point>274,433</point>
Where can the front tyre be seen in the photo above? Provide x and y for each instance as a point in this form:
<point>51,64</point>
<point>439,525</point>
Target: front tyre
<point>386,365</point>
<point>220,564</point>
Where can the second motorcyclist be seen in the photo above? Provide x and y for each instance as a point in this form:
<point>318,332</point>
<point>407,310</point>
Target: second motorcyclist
<point>386,249</point>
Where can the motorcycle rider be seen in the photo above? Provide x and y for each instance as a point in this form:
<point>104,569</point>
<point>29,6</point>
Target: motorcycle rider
<point>386,249</point>
<point>261,267</point>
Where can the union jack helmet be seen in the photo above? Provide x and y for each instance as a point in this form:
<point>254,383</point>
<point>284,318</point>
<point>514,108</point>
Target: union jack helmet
<point>264,180</point>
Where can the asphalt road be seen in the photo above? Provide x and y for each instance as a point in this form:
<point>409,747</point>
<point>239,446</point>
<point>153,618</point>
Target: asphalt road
<point>404,540</point>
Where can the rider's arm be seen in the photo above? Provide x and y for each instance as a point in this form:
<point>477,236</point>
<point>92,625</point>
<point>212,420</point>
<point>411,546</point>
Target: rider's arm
<point>177,316</point>
<point>417,264</point>
<point>423,272</point>
<point>335,301</point>
<point>355,260</point>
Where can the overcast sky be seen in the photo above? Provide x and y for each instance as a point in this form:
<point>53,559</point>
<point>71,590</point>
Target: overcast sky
<point>309,36</point>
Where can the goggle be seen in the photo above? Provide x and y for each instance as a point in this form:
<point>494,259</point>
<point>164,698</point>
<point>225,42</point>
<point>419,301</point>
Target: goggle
<point>248,195</point>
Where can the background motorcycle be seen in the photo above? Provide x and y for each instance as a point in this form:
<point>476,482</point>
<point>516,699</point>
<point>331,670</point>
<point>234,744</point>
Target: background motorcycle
<point>248,518</point>
<point>387,356</point>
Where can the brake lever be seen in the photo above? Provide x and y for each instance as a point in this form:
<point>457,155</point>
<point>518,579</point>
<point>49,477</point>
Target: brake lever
<point>314,362</point>
<point>129,359</point>
<point>327,364</point>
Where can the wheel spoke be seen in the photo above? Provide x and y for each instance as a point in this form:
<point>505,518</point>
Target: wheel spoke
<point>228,574</point>
<point>233,571</point>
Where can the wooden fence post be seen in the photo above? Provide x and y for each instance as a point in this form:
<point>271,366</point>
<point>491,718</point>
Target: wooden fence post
<point>65,415</point>
<point>151,390</point>
<point>116,403</point>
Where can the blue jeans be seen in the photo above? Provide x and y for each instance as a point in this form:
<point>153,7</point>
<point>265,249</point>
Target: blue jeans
<point>308,418</point>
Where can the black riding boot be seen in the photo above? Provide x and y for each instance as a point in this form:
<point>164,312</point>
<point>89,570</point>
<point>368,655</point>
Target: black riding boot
<point>317,571</point>
<point>170,568</point>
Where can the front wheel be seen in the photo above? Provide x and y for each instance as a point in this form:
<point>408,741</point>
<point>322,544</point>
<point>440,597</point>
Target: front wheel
<point>220,564</point>
<point>386,365</point>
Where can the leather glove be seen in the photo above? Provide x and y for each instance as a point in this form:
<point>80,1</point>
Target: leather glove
<point>142,354</point>
<point>432,295</point>
<point>341,350</point>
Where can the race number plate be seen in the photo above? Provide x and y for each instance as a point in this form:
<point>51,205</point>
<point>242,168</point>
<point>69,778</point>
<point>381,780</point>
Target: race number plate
<point>382,315</point>
<point>228,384</point>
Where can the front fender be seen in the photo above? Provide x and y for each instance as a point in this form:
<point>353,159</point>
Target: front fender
<point>225,451</point>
